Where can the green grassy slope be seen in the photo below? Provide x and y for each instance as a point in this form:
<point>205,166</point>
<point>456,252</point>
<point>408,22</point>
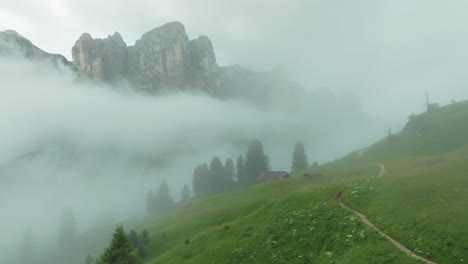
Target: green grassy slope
<point>293,221</point>
<point>421,201</point>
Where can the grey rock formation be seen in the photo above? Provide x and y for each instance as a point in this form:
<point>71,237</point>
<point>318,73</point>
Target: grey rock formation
<point>203,69</point>
<point>100,59</point>
<point>13,44</point>
<point>163,58</point>
<point>158,60</point>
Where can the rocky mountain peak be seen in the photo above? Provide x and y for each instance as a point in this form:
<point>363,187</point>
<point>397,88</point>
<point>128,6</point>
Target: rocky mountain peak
<point>100,59</point>
<point>163,58</point>
<point>13,33</point>
<point>12,43</point>
<point>117,39</point>
<point>172,28</point>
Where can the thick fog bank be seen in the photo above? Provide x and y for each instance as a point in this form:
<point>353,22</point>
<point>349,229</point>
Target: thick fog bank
<point>70,143</point>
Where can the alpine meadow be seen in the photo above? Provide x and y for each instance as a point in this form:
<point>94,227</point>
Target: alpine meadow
<point>233,132</point>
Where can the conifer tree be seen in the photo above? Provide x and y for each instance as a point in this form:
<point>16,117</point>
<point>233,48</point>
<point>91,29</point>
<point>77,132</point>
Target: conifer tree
<point>240,170</point>
<point>217,181</point>
<point>198,181</point>
<point>163,198</point>
<point>159,202</point>
<point>201,180</point>
<point>299,160</point>
<point>229,174</point>
<point>256,162</point>
<point>229,170</point>
<point>133,238</point>
<point>119,251</point>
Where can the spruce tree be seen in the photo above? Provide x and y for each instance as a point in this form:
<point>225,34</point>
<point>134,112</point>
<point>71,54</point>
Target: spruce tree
<point>133,238</point>
<point>197,181</point>
<point>229,174</point>
<point>206,176</point>
<point>201,180</point>
<point>299,160</point>
<point>240,170</point>
<point>229,170</point>
<point>256,161</point>
<point>217,182</point>
<point>119,251</point>
<point>163,198</point>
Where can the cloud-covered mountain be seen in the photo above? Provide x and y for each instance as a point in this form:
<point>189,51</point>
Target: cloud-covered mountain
<point>12,43</point>
<point>164,58</point>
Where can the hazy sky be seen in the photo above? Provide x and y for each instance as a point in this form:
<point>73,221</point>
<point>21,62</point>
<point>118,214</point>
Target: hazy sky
<point>388,52</point>
<point>77,144</point>
<point>394,49</point>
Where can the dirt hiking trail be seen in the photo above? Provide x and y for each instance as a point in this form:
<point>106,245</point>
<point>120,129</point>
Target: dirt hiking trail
<point>366,221</point>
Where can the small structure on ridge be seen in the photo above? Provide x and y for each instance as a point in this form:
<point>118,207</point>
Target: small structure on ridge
<point>269,176</point>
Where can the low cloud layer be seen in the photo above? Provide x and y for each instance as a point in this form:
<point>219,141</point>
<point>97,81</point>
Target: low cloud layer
<point>392,49</point>
<point>71,143</point>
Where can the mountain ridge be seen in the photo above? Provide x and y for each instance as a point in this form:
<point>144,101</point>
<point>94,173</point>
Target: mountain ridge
<point>164,58</point>
<point>12,43</point>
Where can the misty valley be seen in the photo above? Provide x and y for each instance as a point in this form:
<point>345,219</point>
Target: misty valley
<point>315,145</point>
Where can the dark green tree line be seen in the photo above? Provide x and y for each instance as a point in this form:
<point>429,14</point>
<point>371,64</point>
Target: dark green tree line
<point>218,178</point>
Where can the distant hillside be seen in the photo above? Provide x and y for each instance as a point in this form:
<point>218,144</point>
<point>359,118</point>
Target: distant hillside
<point>419,201</point>
<point>441,130</point>
<point>291,221</point>
<point>12,43</point>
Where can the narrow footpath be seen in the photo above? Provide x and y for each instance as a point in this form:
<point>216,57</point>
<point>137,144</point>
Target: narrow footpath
<point>366,221</point>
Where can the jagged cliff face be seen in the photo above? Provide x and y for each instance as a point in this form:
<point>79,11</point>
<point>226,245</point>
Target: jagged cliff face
<point>159,58</point>
<point>204,71</point>
<point>100,59</point>
<point>163,58</point>
<point>12,43</point>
